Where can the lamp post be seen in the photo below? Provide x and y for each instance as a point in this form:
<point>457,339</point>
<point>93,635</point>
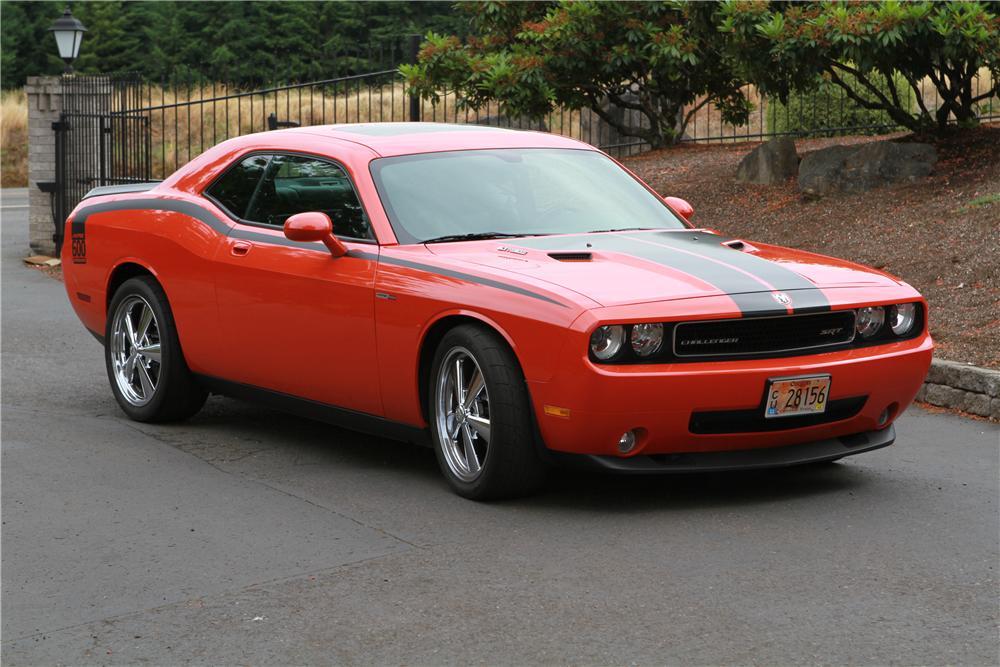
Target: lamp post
<point>68,32</point>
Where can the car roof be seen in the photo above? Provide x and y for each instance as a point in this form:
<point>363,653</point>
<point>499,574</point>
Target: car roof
<point>389,139</point>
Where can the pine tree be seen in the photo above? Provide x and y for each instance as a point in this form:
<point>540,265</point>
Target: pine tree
<point>252,43</point>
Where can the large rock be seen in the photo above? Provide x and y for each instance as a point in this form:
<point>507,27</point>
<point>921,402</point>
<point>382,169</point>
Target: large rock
<point>864,167</point>
<point>769,163</point>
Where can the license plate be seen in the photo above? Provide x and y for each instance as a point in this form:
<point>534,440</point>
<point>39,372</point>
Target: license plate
<point>797,396</point>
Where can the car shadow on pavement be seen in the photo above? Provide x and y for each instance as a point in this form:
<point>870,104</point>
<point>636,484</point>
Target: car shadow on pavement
<point>231,433</point>
<point>618,493</point>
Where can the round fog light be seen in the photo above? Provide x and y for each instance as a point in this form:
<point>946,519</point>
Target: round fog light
<point>887,414</point>
<point>627,442</point>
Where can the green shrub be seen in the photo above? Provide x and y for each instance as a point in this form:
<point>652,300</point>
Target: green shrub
<point>828,106</point>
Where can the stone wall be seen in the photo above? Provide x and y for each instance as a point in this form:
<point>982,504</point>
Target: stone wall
<point>969,388</point>
<point>44,106</point>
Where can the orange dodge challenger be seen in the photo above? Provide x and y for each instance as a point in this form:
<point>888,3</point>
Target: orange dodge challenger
<point>514,299</point>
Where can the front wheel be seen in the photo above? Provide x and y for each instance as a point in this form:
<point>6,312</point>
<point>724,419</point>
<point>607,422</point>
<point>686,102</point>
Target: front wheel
<point>146,367</point>
<point>481,418</point>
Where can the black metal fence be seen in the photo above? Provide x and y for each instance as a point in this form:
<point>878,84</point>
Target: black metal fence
<point>120,129</point>
<point>826,111</point>
<point>190,116</point>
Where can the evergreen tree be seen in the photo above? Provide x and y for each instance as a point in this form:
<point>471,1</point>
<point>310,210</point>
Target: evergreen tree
<point>250,43</point>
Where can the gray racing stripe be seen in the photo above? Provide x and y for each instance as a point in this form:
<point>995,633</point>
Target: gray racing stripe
<point>748,284</point>
<point>806,297</point>
<point>751,296</point>
<point>468,277</point>
<point>197,212</point>
<point>187,208</point>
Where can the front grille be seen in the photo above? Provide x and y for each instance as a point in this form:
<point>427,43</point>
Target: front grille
<point>763,335</point>
<point>753,421</point>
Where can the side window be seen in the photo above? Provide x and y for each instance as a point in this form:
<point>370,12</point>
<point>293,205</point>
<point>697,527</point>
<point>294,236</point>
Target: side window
<point>296,184</point>
<point>236,188</point>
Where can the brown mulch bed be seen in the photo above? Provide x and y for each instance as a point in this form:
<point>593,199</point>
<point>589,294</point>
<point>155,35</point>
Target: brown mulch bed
<point>927,233</point>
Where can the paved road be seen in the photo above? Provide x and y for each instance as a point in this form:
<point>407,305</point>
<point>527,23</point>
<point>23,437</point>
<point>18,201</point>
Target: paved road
<point>246,536</point>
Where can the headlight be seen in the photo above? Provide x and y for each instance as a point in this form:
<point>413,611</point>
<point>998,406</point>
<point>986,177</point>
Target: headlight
<point>870,320</point>
<point>902,317</point>
<point>647,338</point>
<point>607,341</point>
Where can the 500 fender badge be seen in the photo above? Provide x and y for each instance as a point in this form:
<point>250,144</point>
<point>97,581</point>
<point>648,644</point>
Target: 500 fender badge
<point>782,298</point>
<point>78,241</point>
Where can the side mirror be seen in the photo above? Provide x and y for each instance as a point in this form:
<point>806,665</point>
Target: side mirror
<point>683,209</point>
<point>314,226</point>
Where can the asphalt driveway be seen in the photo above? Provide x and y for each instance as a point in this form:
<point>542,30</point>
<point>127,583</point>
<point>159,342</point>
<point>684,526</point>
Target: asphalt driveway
<point>247,536</point>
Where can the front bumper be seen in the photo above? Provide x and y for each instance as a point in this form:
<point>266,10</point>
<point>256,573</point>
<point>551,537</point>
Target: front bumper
<point>755,459</point>
<point>700,408</point>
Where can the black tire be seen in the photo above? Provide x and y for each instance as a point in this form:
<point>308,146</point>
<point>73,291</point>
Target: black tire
<point>512,465</point>
<point>177,395</point>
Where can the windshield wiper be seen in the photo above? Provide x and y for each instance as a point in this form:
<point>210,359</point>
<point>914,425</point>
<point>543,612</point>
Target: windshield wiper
<point>622,229</point>
<point>476,236</point>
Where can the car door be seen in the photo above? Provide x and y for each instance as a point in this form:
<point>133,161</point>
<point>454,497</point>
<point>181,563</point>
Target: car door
<point>294,319</point>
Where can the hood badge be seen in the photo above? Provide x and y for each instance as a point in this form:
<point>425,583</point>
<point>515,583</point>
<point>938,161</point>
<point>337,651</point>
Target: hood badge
<point>516,251</point>
<point>782,298</point>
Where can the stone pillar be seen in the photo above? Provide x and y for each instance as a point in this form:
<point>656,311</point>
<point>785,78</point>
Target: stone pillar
<point>44,105</point>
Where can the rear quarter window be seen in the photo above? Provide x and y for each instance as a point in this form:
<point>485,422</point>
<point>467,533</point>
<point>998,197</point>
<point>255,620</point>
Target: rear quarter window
<point>235,189</point>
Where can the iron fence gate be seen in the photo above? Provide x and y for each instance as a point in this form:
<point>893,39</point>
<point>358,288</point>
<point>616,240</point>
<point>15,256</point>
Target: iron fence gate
<point>98,149</point>
<point>99,140</point>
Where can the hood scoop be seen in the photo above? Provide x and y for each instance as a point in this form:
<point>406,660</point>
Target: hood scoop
<point>571,256</point>
<point>737,244</point>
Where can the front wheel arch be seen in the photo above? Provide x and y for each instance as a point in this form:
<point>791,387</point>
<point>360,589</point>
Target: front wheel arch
<point>429,344</point>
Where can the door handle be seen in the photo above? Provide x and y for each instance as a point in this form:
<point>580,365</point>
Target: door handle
<point>240,248</point>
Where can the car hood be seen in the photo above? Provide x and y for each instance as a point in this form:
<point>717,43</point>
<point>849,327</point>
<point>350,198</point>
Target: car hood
<point>621,268</point>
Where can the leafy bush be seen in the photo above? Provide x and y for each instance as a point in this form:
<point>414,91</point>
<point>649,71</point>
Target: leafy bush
<point>862,46</point>
<point>646,60</point>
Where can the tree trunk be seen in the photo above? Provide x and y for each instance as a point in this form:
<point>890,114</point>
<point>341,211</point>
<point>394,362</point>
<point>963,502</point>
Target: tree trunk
<point>654,135</point>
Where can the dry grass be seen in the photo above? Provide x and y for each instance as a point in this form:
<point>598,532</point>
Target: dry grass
<point>184,123</point>
<point>13,139</point>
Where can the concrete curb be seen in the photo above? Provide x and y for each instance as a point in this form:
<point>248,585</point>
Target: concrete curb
<point>972,389</point>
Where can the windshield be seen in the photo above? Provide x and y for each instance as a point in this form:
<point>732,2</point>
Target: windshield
<point>513,191</point>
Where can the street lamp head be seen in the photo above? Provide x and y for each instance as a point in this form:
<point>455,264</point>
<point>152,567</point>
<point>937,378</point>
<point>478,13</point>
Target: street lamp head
<point>68,32</point>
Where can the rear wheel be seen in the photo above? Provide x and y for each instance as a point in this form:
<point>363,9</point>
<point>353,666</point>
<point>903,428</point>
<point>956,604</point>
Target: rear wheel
<point>480,417</point>
<point>148,374</point>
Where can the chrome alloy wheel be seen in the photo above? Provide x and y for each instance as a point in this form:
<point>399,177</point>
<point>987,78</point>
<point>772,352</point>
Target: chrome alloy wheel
<point>135,350</point>
<point>463,414</point>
